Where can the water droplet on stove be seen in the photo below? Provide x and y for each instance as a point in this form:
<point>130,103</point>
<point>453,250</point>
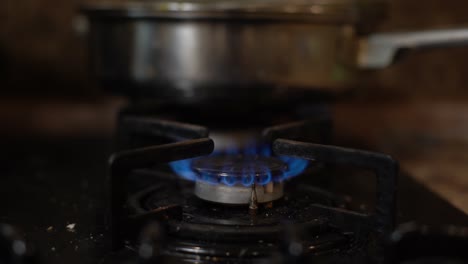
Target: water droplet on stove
<point>228,254</point>
<point>255,253</point>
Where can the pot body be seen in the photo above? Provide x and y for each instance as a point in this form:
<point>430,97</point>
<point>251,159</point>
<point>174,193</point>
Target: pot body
<point>203,60</point>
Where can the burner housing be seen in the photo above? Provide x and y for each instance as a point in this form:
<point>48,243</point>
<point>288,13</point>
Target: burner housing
<point>232,179</point>
<point>307,217</point>
<point>237,194</point>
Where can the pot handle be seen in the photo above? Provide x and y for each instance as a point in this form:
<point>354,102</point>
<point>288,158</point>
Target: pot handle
<point>378,51</point>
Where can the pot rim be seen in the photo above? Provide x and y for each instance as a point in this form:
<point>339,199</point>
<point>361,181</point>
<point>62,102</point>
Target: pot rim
<point>342,11</point>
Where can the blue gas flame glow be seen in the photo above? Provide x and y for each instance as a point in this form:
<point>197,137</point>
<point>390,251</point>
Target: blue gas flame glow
<point>295,166</point>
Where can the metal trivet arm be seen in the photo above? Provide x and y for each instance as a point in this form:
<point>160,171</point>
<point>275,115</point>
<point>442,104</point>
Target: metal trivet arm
<point>196,144</point>
<point>318,129</point>
<point>384,167</point>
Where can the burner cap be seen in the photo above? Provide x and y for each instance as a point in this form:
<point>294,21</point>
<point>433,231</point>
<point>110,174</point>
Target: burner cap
<point>262,169</point>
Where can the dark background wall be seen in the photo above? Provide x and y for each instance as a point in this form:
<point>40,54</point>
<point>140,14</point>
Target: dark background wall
<point>43,54</point>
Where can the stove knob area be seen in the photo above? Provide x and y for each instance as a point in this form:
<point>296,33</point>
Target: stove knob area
<point>13,249</point>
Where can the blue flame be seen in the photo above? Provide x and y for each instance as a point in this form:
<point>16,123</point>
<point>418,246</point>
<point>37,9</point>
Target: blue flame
<point>207,178</point>
<point>248,180</point>
<point>183,168</point>
<point>295,166</point>
<point>264,179</point>
<point>250,151</point>
<point>229,181</point>
<point>232,151</point>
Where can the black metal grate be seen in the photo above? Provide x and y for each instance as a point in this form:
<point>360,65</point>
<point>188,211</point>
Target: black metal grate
<point>292,139</point>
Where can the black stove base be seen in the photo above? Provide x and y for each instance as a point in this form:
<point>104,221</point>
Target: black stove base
<point>48,184</point>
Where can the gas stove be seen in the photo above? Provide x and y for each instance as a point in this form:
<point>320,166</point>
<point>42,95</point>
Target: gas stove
<point>244,204</point>
<point>180,193</point>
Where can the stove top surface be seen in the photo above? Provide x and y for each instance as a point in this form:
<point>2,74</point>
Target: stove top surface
<point>58,204</point>
<point>229,233</point>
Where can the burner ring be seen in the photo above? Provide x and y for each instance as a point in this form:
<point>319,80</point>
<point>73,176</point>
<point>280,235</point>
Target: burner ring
<point>237,195</point>
<point>222,168</point>
<point>229,179</point>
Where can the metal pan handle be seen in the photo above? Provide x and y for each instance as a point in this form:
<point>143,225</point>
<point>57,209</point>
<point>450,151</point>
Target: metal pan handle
<point>378,51</point>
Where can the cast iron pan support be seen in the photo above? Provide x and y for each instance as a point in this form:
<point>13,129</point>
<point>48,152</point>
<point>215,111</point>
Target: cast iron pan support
<point>384,167</point>
<point>196,144</point>
<point>319,129</point>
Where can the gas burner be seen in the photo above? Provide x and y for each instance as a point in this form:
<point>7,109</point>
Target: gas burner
<point>236,179</point>
<point>241,169</point>
<point>238,194</point>
<point>201,231</point>
<point>307,218</point>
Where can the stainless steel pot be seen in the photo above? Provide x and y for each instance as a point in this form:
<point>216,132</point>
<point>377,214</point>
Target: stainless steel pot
<point>197,51</point>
